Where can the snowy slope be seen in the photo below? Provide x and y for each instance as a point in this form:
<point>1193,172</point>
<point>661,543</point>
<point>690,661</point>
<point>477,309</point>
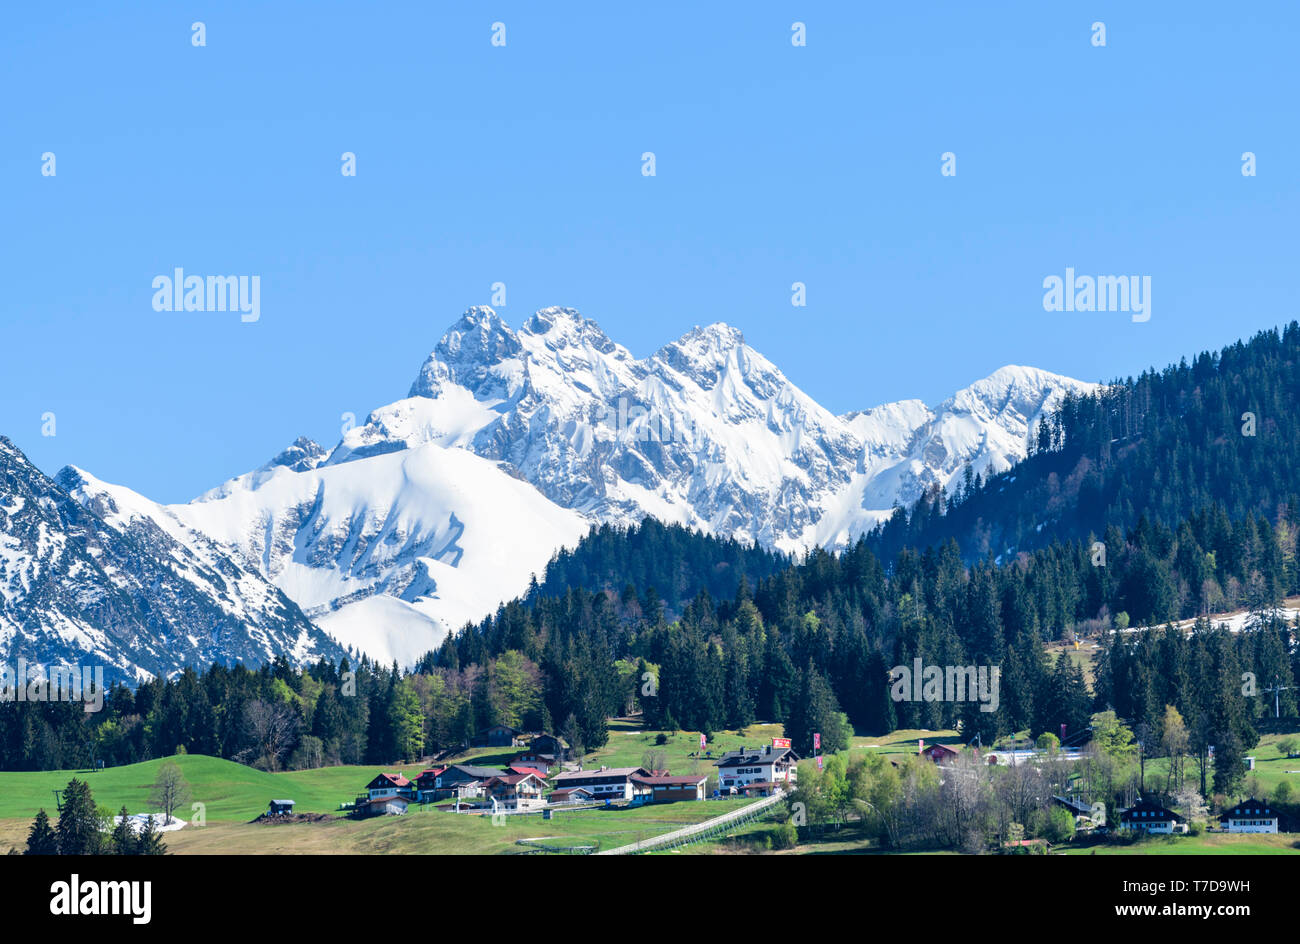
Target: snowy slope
<point>389,552</point>
<point>909,447</point>
<point>87,581</point>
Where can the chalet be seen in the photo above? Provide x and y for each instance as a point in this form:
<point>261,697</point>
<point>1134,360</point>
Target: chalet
<point>941,754</point>
<point>522,769</point>
<point>549,744</point>
<point>1149,817</point>
<point>1250,816</point>
<point>571,795</point>
<point>426,785</point>
<point>389,785</point>
<point>606,783</point>
<point>746,767</point>
<point>538,760</point>
<point>664,788</point>
<point>280,808</point>
<point>383,806</point>
<point>499,735</point>
<point>457,774</point>
<point>470,789</point>
<point>515,791</point>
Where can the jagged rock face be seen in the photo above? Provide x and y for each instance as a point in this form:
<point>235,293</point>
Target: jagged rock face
<point>706,431</point>
<point>300,456</point>
<point>79,585</point>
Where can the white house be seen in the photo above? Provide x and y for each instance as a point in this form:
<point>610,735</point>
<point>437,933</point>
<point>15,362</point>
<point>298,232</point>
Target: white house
<point>1250,816</point>
<point>1149,817</point>
<point>607,783</point>
<point>750,767</point>
<point>388,785</point>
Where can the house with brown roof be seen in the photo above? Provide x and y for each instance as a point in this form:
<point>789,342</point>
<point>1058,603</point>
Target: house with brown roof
<point>665,788</point>
<point>515,791</point>
<point>571,795</point>
<point>941,753</point>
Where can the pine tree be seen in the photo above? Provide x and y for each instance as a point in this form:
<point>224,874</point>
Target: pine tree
<point>78,828</point>
<point>123,840</point>
<point>41,840</point>
<point>150,841</point>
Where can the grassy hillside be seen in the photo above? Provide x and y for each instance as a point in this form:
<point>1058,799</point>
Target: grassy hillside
<point>234,794</point>
<point>231,792</point>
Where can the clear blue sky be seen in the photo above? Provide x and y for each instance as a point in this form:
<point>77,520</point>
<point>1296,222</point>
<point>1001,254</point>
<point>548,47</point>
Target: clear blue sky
<point>521,164</point>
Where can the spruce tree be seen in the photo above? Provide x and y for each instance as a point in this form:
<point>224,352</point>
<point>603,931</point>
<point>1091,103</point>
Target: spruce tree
<point>41,839</point>
<point>78,829</point>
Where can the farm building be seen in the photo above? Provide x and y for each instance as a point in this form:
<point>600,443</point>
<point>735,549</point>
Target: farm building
<point>571,795</point>
<point>499,735</point>
<point>383,806</point>
<point>280,808</point>
<point>550,744</point>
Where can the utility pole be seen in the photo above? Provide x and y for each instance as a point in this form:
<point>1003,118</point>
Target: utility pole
<point>1277,690</point>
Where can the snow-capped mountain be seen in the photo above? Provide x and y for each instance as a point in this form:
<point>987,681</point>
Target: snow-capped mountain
<point>706,431</point>
<point>511,443</point>
<point>89,577</point>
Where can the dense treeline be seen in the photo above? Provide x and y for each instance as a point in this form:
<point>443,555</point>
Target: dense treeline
<point>666,563</point>
<point>1221,431</point>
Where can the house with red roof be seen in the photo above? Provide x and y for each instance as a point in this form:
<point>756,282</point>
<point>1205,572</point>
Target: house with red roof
<point>524,769</point>
<point>426,785</point>
<point>389,785</point>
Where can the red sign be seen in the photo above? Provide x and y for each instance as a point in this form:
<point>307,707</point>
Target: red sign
<point>817,742</point>
<point>781,743</point>
<point>703,741</point>
<point>819,762</point>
